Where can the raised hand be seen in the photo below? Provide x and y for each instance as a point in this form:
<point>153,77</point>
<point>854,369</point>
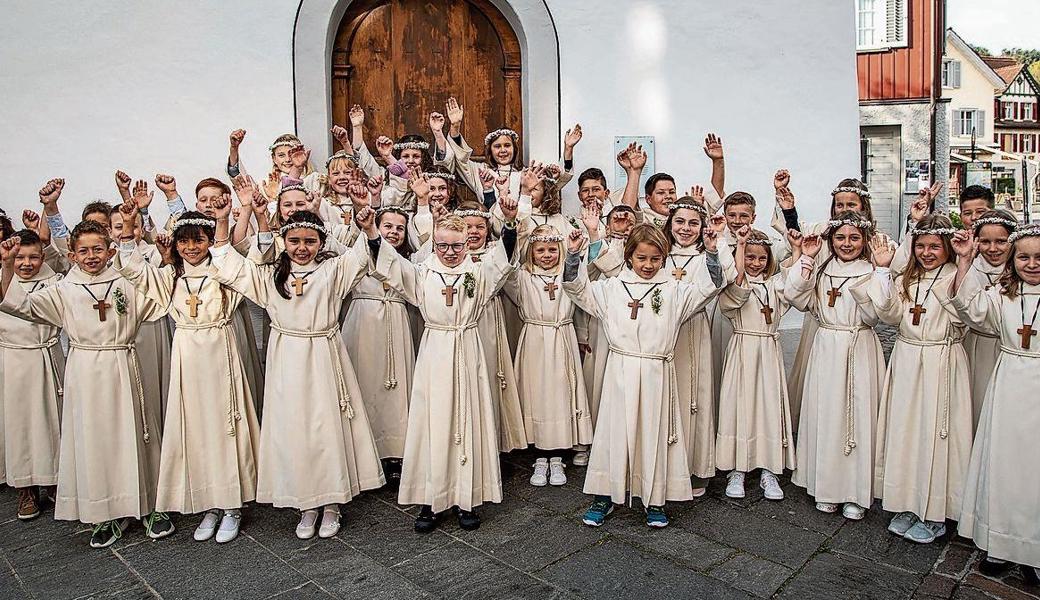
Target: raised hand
<point>811,245</point>
<point>921,206</point>
<point>454,112</point>
<point>502,185</point>
<point>782,179</point>
<point>487,179</point>
<point>31,220</point>
<point>794,238</point>
<point>438,210</point>
<point>129,211</point>
<point>713,147</point>
<point>357,116</point>
<point>259,205</point>
<point>385,147</point>
<point>574,241</point>
<point>123,183</point>
<point>375,186</point>
<point>508,205</point>
<point>340,135</point>
<point>785,198</point>
<point>236,138</point>
<point>637,160</point>
<point>419,183</point>
<point>531,176</point>
<point>697,194</point>
<point>366,221</point>
<point>142,197</point>
<point>9,250</point>
<point>51,191</point>
<point>572,137</point>
<point>299,156</point>
<point>437,122</point>
<point>164,243</point>
<point>881,250</point>
<point>963,244</point>
<point>717,223</point>
<point>358,193</point>
<point>244,187</point>
<point>590,216</point>
<point>167,184</point>
<point>742,235</point>
<point>710,239</point>
<point>624,157</point>
<point>222,207</point>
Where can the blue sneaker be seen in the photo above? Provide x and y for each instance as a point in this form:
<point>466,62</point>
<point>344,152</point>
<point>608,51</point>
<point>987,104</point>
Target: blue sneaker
<point>655,517</point>
<point>597,513</point>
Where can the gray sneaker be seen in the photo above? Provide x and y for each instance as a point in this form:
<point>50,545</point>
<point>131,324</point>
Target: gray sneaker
<point>925,532</point>
<point>902,523</point>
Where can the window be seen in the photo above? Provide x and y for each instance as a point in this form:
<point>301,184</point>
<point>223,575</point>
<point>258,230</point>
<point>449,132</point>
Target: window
<point>967,120</point>
<point>1009,110</point>
<point>1029,143</point>
<point>881,24</point>
<point>951,73</point>
<point>1027,112</point>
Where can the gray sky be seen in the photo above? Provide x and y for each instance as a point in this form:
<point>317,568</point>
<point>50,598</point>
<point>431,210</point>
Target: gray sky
<point>996,24</point>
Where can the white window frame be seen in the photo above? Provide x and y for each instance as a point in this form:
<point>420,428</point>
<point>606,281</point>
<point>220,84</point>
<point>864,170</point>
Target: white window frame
<point>1027,111</point>
<point>951,73</point>
<point>1009,110</point>
<point>972,117</point>
<point>881,24</point>
<point>1027,144</point>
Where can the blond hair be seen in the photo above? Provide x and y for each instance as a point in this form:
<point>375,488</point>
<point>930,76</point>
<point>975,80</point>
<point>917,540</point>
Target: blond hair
<point>646,233</point>
<point>542,230</point>
<point>451,223</point>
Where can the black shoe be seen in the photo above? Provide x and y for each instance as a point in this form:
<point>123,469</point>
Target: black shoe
<point>994,568</point>
<point>106,534</point>
<point>468,520</point>
<point>1029,574</point>
<point>426,521</point>
<point>158,525</point>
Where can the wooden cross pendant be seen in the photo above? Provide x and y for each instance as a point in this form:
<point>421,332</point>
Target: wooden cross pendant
<point>833,295</point>
<point>100,308</point>
<point>449,295</point>
<point>679,273</point>
<point>635,305</point>
<point>193,303</point>
<point>767,312</point>
<point>551,287</point>
<point>386,287</point>
<point>298,283</point>
<point>917,311</point>
<point>1026,332</point>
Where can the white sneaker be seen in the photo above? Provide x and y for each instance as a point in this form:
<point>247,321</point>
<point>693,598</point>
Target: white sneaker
<point>556,474</point>
<point>208,526</point>
<point>771,486</point>
<point>329,522</point>
<point>541,469</point>
<point>308,519</point>
<point>581,458</point>
<point>853,511</point>
<point>826,507</point>
<point>229,526</point>
<point>735,485</point>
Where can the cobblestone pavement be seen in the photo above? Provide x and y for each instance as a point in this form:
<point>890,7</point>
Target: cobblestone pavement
<point>530,546</point>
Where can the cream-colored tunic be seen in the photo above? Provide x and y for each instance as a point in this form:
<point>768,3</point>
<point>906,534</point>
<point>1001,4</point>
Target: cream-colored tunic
<point>1001,497</point>
<point>451,449</point>
<point>458,158</point>
<point>608,263</point>
<point>639,445</point>
<point>32,368</point>
<point>835,449</point>
<point>154,340</point>
<point>982,348</point>
<point>754,415</point>
<point>109,461</point>
<point>211,434</point>
<point>924,423</point>
<point>378,335</point>
<point>316,444</point>
<point>552,391</point>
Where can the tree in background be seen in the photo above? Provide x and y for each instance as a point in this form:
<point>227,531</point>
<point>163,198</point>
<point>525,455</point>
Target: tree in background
<point>981,50</point>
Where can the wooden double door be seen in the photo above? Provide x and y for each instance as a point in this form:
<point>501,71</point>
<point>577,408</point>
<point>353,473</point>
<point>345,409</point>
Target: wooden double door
<point>402,59</point>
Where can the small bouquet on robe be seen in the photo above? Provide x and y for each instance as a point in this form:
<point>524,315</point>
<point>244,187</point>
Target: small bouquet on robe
<point>120,299</point>
<point>469,283</point>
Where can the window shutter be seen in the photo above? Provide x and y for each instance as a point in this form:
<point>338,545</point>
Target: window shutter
<point>956,65</point>
<point>980,124</point>
<point>895,22</point>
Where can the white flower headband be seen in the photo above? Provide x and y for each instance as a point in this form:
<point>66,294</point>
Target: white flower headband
<point>340,154</point>
<point>291,187</point>
<point>473,213</point>
<point>552,237</point>
<point>288,143</point>
<point>836,223</point>
<point>1012,225</point>
<point>940,231</point>
<point>303,225</point>
<point>445,176</point>
<point>200,222</point>
<point>500,132</point>
<point>689,205</point>
<point>424,146</point>
<point>393,209</point>
<point>1028,231</point>
<point>848,188</point>
<point>758,242</point>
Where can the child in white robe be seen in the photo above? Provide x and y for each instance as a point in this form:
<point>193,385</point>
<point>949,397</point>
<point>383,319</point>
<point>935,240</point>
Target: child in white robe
<point>1001,500</point>
<point>552,392</point>
<point>754,414</point>
<point>639,445</point>
<point>32,367</point>
<point>451,448</point>
<point>305,413</point>
<point>109,459</point>
<point>924,423</point>
<point>835,447</point>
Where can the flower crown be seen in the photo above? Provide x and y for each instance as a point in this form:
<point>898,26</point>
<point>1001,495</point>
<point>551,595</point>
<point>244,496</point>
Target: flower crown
<point>759,242</point>
<point>424,146</point>
<point>551,237</point>
<point>1012,225</point>
<point>200,222</point>
<point>500,132</point>
<point>848,188</point>
<point>858,224</point>
<point>288,143</point>
<point>303,225</point>
<point>691,206</point>
<point>340,154</point>
<point>550,181</point>
<point>473,213</point>
<point>940,231</point>
<point>392,209</point>
<point>1028,231</point>
<point>445,176</point>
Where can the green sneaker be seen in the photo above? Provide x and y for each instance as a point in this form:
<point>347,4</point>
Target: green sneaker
<point>105,534</point>
<point>597,513</point>
<point>158,525</point>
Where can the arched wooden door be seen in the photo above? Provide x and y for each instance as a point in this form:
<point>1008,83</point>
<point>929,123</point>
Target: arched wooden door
<point>402,59</point>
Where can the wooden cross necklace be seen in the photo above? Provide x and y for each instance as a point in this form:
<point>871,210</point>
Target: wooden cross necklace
<point>193,300</point>
<point>918,309</point>
<point>635,305</point>
<point>989,278</point>
<point>1027,332</point>
<point>449,290</point>
<point>298,282</point>
<point>550,286</point>
<point>99,304</point>
<point>680,272</point>
<point>767,309</point>
<point>835,292</point>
